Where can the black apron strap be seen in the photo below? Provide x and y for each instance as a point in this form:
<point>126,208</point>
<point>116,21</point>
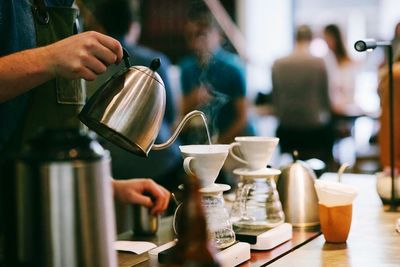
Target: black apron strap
<point>41,12</point>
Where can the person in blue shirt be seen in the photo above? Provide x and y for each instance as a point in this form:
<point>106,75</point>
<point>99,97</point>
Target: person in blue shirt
<point>213,79</point>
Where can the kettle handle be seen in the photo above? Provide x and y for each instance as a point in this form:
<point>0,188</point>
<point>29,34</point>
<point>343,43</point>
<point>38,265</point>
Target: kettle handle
<point>154,65</point>
<point>126,58</point>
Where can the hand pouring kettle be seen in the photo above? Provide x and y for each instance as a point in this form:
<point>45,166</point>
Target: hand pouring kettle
<point>128,109</point>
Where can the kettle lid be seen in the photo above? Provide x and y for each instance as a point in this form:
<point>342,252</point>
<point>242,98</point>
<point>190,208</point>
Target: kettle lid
<point>151,70</point>
<point>298,166</point>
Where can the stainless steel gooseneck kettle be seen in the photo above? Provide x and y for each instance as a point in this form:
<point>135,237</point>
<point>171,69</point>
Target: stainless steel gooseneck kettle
<point>297,194</point>
<point>129,108</point>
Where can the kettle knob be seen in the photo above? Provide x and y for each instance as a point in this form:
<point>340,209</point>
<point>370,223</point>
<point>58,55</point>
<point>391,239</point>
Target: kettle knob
<point>155,64</point>
<point>295,155</point>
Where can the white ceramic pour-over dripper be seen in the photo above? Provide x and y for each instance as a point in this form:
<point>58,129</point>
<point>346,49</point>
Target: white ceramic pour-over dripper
<point>204,161</point>
<point>256,150</point>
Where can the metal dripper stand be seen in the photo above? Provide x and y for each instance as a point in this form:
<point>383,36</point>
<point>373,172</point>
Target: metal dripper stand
<point>257,214</point>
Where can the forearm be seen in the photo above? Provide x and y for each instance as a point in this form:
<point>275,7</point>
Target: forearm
<point>236,129</point>
<point>237,125</point>
<point>189,103</point>
<point>22,71</point>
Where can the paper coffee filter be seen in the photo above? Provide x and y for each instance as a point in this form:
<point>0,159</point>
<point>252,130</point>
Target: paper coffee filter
<point>333,194</point>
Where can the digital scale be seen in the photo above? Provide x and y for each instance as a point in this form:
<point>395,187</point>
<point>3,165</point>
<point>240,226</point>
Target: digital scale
<point>265,240</point>
<point>227,257</point>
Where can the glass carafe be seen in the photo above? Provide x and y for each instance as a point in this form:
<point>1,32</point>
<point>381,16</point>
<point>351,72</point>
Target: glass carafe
<point>257,204</point>
<point>218,221</point>
<point>219,224</point>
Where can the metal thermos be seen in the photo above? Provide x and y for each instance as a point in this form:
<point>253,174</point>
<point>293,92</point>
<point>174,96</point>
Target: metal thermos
<point>60,209</point>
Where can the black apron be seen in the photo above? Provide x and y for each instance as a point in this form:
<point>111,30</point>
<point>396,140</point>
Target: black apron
<point>54,104</point>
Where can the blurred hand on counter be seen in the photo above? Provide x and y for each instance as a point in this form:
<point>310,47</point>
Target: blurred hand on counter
<point>136,191</point>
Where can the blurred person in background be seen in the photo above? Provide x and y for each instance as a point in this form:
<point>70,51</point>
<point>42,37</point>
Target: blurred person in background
<point>396,40</point>
<point>213,79</point>
<point>395,46</point>
<point>342,74</point>
<point>384,137</point>
<point>301,101</point>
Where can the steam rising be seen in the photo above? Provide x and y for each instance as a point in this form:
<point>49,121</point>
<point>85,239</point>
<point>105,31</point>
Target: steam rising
<point>213,107</point>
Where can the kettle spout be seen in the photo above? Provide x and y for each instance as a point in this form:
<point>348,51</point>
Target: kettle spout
<point>178,129</point>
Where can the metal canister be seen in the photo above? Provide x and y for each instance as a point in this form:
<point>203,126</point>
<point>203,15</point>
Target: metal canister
<point>59,203</point>
<point>144,223</point>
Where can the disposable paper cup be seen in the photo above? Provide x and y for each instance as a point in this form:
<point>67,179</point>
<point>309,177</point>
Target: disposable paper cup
<point>335,222</point>
<point>335,209</point>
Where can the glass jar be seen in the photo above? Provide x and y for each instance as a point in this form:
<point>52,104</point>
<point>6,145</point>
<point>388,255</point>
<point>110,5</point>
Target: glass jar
<point>217,216</point>
<point>218,221</point>
<point>257,204</point>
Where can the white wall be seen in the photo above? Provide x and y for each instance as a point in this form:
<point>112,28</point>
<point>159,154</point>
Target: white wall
<point>389,16</point>
<point>267,26</point>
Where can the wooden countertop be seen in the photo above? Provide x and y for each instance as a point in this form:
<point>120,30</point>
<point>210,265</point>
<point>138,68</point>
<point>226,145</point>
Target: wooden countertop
<point>372,241</point>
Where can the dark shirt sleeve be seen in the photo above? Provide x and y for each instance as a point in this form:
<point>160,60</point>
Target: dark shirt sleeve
<point>170,110</point>
<point>324,86</point>
<point>187,76</point>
